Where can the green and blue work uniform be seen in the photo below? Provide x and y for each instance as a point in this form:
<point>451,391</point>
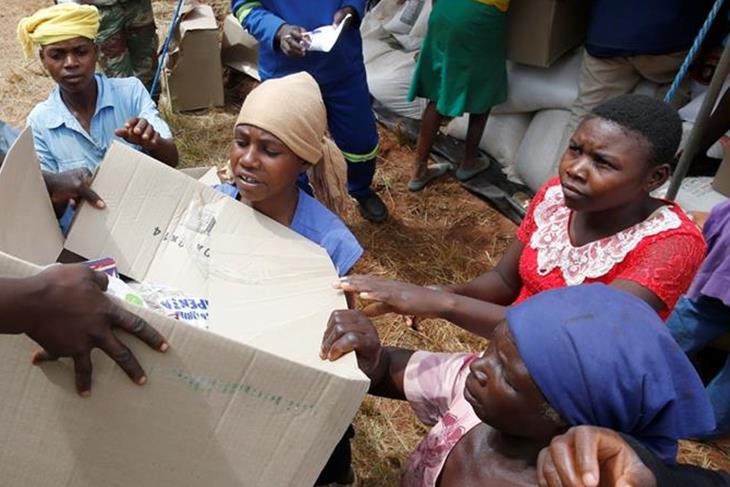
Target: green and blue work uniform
<point>340,74</point>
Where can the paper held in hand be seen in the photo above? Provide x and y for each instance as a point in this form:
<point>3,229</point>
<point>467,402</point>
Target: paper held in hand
<point>324,38</point>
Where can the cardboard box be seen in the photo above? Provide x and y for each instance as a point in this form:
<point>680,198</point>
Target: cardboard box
<point>247,403</point>
<point>540,31</point>
<point>240,50</point>
<point>207,175</point>
<point>193,70</point>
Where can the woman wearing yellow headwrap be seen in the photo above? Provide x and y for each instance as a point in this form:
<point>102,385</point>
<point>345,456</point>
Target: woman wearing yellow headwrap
<point>279,134</point>
<point>85,112</point>
<point>56,24</point>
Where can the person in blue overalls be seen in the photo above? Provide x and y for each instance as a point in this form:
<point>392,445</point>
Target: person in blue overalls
<point>279,26</point>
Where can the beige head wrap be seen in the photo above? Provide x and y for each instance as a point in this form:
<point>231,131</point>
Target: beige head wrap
<point>291,108</point>
<point>57,23</point>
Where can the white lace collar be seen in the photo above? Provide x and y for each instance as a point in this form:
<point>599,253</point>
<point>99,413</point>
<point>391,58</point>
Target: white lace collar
<point>554,249</point>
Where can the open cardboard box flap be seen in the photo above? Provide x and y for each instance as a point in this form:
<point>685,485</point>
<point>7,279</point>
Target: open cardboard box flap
<point>193,71</point>
<point>246,403</point>
<point>197,16</point>
<point>239,49</point>
<point>204,174</point>
<point>28,215</point>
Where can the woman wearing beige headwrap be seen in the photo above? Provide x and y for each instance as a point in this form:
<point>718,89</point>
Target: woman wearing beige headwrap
<point>279,134</point>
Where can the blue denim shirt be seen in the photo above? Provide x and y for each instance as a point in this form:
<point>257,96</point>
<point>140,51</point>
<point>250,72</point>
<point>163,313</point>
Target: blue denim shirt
<point>62,143</point>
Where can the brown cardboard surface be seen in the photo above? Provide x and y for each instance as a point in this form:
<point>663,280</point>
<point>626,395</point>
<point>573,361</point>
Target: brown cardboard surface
<point>193,70</point>
<point>158,224</point>
<point>540,31</point>
<point>260,409</point>
<point>210,178</point>
<point>207,175</point>
<point>258,284</point>
<point>197,16</point>
<point>195,172</point>
<point>24,193</point>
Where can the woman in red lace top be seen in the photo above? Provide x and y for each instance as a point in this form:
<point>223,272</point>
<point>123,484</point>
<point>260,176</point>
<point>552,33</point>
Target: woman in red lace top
<point>597,222</point>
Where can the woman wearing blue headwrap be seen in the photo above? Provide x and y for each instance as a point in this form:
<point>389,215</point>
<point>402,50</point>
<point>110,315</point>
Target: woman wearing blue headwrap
<point>583,355</point>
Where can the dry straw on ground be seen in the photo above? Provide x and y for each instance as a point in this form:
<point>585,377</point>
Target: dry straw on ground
<point>441,235</point>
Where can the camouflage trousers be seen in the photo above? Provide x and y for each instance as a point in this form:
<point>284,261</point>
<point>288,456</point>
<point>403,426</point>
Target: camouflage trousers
<point>128,40</point>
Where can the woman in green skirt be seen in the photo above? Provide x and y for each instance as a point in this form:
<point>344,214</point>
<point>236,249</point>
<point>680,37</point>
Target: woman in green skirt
<point>461,69</point>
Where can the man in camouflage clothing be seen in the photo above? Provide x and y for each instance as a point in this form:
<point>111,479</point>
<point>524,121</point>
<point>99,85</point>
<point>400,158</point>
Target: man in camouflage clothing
<point>127,38</point>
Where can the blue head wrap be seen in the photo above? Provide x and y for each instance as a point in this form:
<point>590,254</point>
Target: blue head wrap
<point>603,357</point>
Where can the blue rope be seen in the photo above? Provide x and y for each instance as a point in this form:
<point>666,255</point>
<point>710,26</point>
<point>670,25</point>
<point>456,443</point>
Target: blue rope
<point>693,51</point>
<point>166,46</point>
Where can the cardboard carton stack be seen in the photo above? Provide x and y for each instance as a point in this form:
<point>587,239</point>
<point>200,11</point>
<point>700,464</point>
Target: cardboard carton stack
<point>540,31</point>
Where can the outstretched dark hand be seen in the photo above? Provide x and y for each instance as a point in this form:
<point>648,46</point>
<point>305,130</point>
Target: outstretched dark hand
<point>388,296</point>
<point>351,330</point>
<point>139,131</point>
<point>73,185</point>
<point>71,315</point>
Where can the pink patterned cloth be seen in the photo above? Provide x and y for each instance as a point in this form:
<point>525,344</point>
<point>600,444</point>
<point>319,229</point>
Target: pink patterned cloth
<point>434,386</point>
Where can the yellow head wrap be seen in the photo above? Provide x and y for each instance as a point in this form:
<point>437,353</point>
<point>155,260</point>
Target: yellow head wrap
<point>291,108</point>
<point>57,23</point>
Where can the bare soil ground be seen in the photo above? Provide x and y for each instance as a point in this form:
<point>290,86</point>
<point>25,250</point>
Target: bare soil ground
<point>441,235</point>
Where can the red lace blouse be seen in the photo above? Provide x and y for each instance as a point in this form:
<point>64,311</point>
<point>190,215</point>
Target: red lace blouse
<point>662,253</point>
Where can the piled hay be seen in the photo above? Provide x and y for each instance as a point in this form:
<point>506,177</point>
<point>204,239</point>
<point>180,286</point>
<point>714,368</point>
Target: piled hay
<point>202,138</point>
<point>440,235</point>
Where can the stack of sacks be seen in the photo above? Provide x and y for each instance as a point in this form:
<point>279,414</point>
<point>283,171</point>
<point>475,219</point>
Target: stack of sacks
<point>392,34</point>
<point>537,157</point>
<point>501,139</point>
<point>523,134</point>
<point>538,151</point>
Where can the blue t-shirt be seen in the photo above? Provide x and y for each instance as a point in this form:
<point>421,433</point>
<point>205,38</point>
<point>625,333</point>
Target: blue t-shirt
<point>62,143</point>
<point>315,222</point>
<point>636,27</point>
